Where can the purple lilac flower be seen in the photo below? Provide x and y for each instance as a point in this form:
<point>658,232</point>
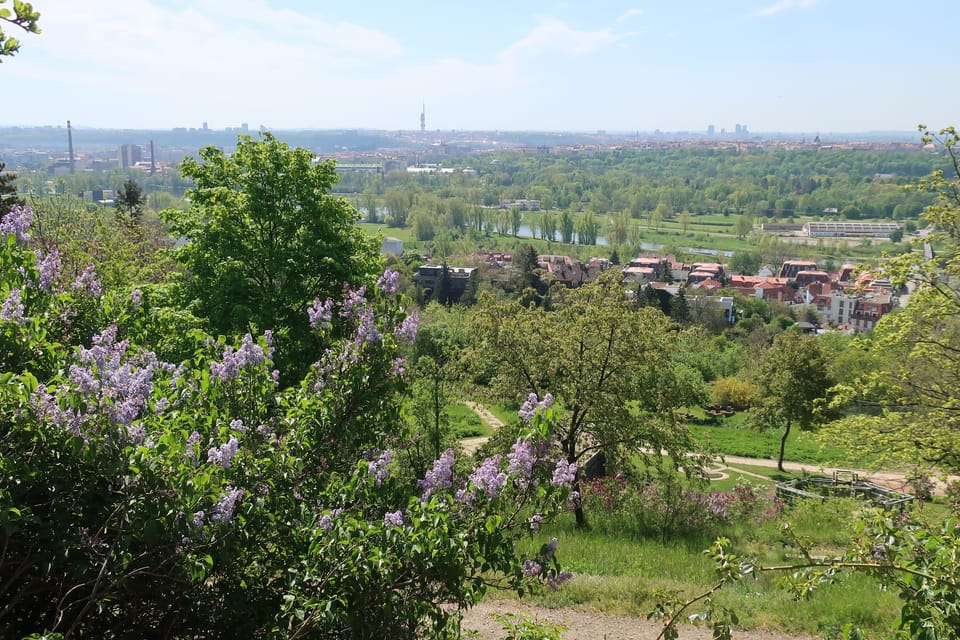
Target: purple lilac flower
<point>48,269</point>
<point>440,477</point>
<point>12,309</point>
<point>531,568</point>
<point>87,282</point>
<point>326,521</point>
<point>551,549</point>
<point>198,518</point>
<point>407,331</point>
<point>399,367</point>
<point>192,443</point>
<point>17,221</point>
<point>556,581</point>
<point>377,469</point>
<point>535,521</point>
<point>113,381</point>
<point>223,510</point>
<point>521,459</point>
<point>320,314</point>
<point>389,282</point>
<point>237,425</point>
<point>393,519</point>
<point>136,298</point>
<point>352,300</point>
<point>563,473</point>
<point>224,454</point>
<point>533,405</point>
<point>367,327</point>
<point>249,355</point>
<point>488,477</point>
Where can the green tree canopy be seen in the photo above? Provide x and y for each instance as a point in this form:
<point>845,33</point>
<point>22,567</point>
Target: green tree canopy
<point>794,375</point>
<point>608,367</point>
<point>264,238</point>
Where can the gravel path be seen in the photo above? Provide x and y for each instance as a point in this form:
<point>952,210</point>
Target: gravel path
<point>589,625</point>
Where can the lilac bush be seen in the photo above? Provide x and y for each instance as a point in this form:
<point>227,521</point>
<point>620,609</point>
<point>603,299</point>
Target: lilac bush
<point>200,496</point>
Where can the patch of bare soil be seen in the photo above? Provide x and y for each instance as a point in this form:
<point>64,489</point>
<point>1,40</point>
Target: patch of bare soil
<point>590,625</point>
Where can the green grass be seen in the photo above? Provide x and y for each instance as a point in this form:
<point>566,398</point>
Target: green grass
<point>622,574</point>
<point>731,436</point>
<point>466,423</point>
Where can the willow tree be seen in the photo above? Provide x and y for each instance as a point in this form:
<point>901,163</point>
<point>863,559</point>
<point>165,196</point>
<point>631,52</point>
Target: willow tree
<point>608,367</point>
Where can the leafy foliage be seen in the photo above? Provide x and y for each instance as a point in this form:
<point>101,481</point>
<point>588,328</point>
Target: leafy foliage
<point>608,366</point>
<point>21,15</point>
<point>263,237</point>
<point>200,499</point>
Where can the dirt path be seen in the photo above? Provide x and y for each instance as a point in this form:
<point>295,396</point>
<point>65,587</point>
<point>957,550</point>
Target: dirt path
<point>590,625</point>
<point>891,479</point>
<point>470,445</point>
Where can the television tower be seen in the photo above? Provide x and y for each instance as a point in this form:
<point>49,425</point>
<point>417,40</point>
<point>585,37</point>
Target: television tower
<point>423,118</point>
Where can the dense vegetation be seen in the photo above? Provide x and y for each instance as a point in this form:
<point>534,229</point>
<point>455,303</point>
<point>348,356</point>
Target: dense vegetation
<point>248,436</point>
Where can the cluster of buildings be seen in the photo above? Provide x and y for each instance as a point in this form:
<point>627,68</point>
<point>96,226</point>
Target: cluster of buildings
<point>844,299</point>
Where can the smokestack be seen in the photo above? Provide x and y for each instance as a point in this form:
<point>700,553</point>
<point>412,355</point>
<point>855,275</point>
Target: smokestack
<point>70,146</point>
<point>153,161</point>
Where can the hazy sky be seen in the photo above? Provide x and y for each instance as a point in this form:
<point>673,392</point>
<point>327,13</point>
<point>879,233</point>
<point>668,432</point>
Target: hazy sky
<point>774,65</point>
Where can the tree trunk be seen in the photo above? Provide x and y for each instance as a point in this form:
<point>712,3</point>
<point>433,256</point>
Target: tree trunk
<point>783,445</point>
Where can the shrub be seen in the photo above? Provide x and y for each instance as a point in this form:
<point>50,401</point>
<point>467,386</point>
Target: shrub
<point>735,392</point>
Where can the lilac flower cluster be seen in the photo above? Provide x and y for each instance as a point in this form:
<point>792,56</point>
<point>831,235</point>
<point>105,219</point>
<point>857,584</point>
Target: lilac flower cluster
<point>534,405</point>
<point>556,580</point>
<point>136,298</point>
<point>440,477</point>
<point>533,568</point>
<point>320,314</point>
<point>536,520</point>
<point>192,443</point>
<point>487,478</point>
<point>564,473</point>
<point>393,519</point>
<point>237,425</point>
<point>521,458</point>
<point>407,331</point>
<point>87,282</point>
<point>377,469</point>
<point>48,269</point>
<point>124,383</point>
<point>399,367</point>
<point>223,510</point>
<point>46,407</point>
<point>353,299</point>
<point>367,326</point>
<point>17,221</point>
<point>389,282</point>
<point>223,454</point>
<point>326,520</point>
<point>12,308</point>
<point>249,355</point>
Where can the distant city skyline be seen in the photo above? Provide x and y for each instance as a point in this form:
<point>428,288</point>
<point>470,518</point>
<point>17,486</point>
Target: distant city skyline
<point>770,65</point>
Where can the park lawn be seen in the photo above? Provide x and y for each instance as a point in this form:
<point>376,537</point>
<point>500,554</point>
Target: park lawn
<point>731,437</point>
